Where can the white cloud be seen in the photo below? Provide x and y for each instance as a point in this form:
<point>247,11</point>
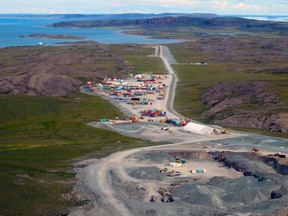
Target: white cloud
<point>145,6</point>
<point>220,4</point>
<point>166,3</point>
<point>246,7</point>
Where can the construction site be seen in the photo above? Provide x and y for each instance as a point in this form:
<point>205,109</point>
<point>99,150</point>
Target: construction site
<point>143,99</point>
<point>200,177</point>
<point>196,170</point>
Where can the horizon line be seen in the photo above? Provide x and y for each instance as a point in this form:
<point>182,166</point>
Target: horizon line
<point>140,13</point>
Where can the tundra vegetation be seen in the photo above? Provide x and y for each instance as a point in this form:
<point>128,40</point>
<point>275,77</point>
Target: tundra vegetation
<point>42,137</point>
<point>243,84</point>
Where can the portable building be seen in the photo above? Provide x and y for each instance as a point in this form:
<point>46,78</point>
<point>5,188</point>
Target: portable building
<point>138,76</point>
<point>198,128</point>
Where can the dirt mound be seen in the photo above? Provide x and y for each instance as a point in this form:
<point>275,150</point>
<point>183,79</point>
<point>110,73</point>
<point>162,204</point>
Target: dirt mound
<point>246,105</point>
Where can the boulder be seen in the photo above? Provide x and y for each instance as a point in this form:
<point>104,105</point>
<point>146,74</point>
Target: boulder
<point>282,191</point>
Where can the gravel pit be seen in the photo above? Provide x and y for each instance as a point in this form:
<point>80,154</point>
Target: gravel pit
<point>194,160</point>
<point>233,182</point>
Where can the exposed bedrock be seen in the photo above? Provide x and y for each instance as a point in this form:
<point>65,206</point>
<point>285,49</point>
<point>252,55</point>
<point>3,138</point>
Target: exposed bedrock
<point>47,71</point>
<point>262,168</point>
<point>246,105</point>
<point>276,164</point>
<point>246,162</point>
<point>40,84</point>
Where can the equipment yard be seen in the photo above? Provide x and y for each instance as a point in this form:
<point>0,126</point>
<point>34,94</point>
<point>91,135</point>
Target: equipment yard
<point>204,170</point>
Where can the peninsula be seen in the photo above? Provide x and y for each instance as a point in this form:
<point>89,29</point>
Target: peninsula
<point>53,36</point>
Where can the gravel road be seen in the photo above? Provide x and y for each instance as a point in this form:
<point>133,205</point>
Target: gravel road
<point>97,177</point>
<point>169,59</point>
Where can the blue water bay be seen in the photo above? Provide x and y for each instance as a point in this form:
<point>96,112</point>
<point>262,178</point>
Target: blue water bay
<point>11,29</point>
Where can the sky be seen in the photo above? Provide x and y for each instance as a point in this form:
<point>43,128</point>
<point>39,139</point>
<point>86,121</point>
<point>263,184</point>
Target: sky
<point>241,7</point>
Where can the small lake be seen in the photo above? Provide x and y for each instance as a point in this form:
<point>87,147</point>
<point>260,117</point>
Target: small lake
<point>11,29</point>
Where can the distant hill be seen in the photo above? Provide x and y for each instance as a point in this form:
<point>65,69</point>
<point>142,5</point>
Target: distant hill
<point>103,16</point>
<point>184,21</point>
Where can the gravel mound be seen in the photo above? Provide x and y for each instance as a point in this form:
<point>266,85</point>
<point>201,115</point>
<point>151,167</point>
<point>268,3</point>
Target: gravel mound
<point>220,181</point>
<point>247,196</point>
<point>194,194</point>
<point>221,191</point>
<point>148,173</point>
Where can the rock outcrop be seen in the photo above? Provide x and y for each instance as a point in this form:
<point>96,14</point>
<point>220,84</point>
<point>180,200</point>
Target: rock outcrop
<point>39,84</point>
<point>246,105</point>
<point>282,191</point>
<point>50,71</point>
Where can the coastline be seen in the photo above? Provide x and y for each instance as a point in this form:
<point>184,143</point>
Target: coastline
<point>53,36</point>
<point>36,26</point>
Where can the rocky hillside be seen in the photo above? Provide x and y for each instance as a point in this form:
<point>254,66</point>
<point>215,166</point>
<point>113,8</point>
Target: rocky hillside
<point>184,21</point>
<point>56,71</point>
<point>244,83</point>
<point>261,51</point>
<point>246,105</point>
<point>39,84</point>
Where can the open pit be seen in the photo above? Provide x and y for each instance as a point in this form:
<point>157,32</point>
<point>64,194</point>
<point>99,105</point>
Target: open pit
<point>226,178</point>
<point>232,184</point>
<point>193,161</point>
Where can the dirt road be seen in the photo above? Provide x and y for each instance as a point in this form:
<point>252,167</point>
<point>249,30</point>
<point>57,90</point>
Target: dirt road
<point>165,55</point>
<point>98,177</point>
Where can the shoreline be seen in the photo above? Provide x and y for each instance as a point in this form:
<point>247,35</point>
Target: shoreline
<point>53,36</point>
